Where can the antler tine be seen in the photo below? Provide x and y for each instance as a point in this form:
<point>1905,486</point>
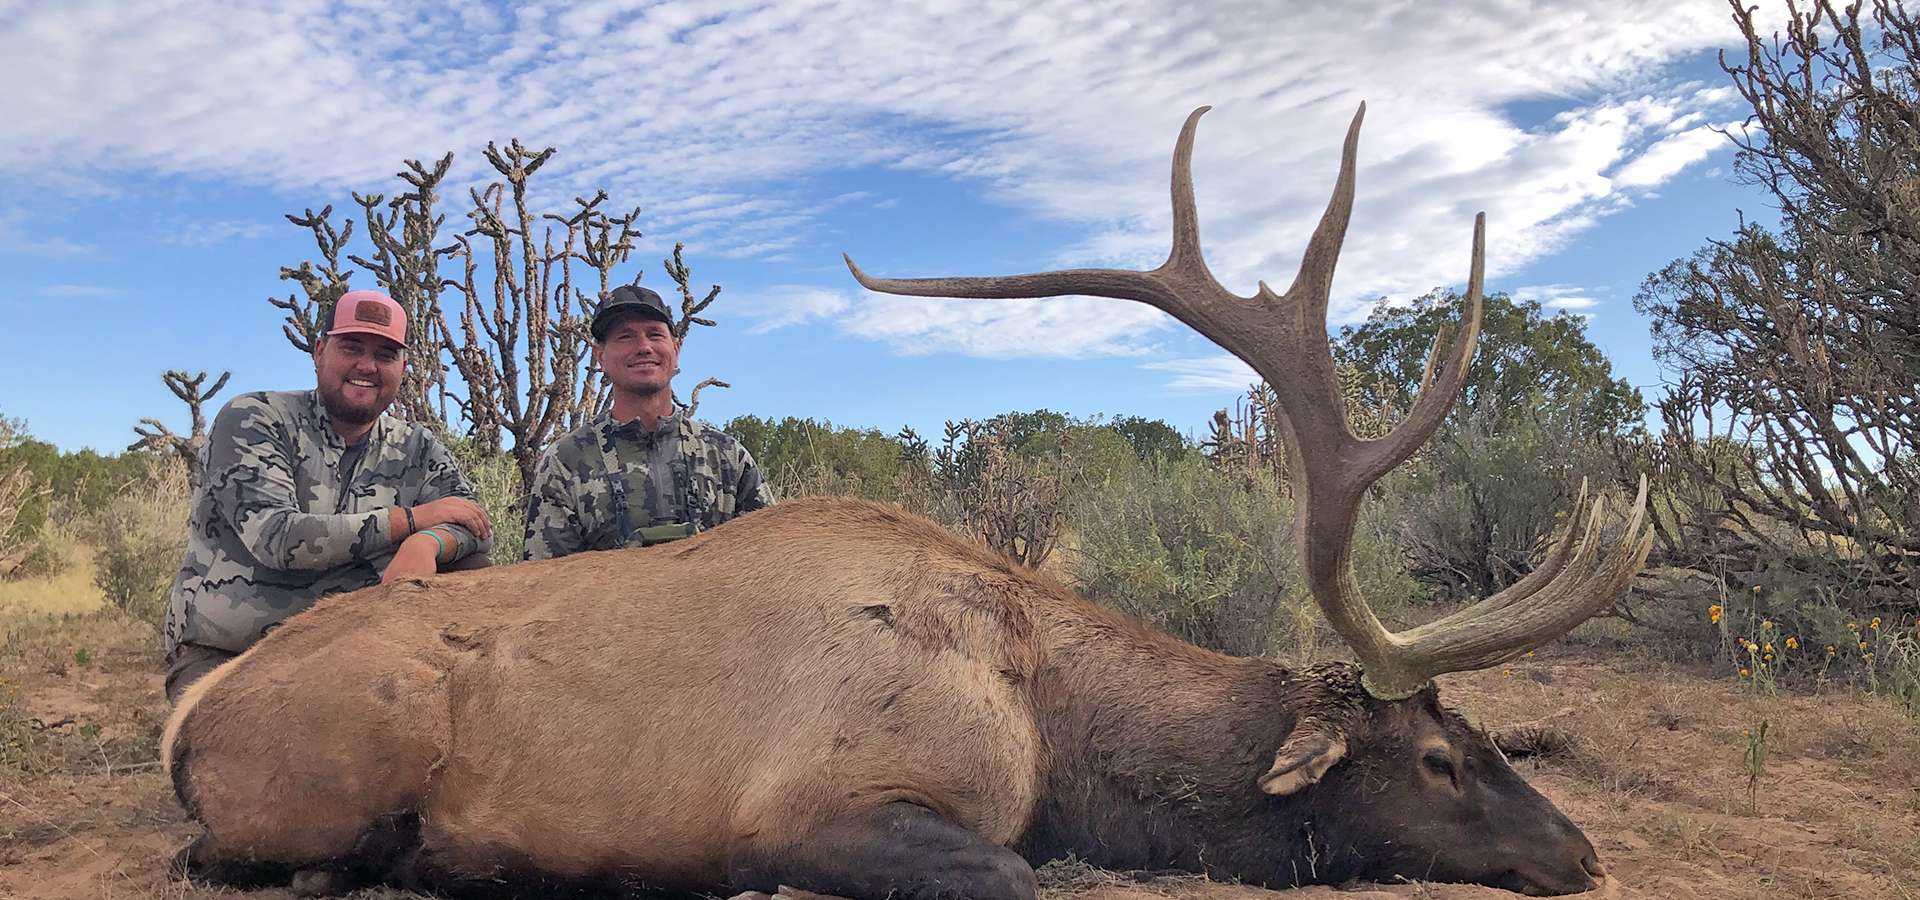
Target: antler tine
<point>1186,215</point>
<point>1313,283</point>
<point>1559,553</point>
<point>1530,613</point>
<point>1439,390</point>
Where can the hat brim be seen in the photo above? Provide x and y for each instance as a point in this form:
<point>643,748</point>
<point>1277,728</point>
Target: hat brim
<point>367,330</point>
<point>605,319</point>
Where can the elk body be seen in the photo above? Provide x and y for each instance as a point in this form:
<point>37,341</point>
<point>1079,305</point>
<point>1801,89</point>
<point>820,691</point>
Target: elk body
<point>835,695</point>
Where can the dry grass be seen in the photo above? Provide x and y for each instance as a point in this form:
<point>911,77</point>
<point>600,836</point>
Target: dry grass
<point>1072,878</point>
<point>70,592</point>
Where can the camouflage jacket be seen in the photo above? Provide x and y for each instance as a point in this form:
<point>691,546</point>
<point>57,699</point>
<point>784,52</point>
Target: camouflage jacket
<point>288,513</point>
<point>605,483</point>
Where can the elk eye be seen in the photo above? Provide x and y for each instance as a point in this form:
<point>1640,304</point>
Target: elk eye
<point>1441,765</point>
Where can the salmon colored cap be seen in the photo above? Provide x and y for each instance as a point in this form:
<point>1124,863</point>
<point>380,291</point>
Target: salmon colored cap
<point>370,312</point>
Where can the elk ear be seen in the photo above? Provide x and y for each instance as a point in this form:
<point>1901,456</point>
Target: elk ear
<point>1302,761</point>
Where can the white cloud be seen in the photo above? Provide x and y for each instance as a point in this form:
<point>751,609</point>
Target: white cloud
<point>1209,374</point>
<point>16,236</point>
<point>787,305</point>
<point>1067,327</point>
<point>1669,155</point>
<point>1556,296</point>
<point>205,234</point>
<point>1572,303</point>
<point>722,118</point>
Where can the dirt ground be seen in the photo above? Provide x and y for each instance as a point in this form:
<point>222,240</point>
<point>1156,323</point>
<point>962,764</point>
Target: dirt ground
<point>1657,775</point>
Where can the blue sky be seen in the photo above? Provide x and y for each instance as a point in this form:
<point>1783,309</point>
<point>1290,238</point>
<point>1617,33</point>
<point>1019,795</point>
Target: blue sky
<point>153,149</point>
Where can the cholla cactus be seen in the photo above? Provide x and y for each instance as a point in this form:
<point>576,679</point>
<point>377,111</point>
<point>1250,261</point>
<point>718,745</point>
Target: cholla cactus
<point>155,435</point>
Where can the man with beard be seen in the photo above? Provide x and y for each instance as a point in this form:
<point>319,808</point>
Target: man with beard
<point>646,472</point>
<point>309,493</point>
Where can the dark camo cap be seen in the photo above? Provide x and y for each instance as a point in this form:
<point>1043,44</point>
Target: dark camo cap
<point>625,299</point>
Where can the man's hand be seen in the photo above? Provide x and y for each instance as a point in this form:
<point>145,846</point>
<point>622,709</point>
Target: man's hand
<point>416,557</point>
<point>453,511</point>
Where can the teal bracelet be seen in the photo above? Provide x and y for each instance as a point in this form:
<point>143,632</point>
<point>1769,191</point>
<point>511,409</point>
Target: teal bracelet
<point>435,534</point>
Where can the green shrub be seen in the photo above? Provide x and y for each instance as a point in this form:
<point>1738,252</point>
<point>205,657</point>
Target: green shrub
<point>496,483</point>
<point>1200,553</point>
<point>52,553</point>
<point>139,538</point>
<point>1207,554</point>
<point>803,456</point>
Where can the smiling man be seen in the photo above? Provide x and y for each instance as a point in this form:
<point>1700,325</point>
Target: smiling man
<point>309,493</point>
<point>646,472</point>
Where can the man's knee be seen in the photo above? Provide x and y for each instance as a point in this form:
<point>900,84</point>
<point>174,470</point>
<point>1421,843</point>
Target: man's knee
<point>468,563</point>
<point>187,663</point>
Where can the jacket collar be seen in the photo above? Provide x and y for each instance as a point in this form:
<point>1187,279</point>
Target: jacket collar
<point>324,422</point>
<point>633,429</point>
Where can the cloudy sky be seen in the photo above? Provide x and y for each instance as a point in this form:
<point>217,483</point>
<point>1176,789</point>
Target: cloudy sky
<point>152,149</point>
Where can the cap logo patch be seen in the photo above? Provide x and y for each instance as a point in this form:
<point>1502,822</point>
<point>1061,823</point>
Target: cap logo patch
<point>373,313</point>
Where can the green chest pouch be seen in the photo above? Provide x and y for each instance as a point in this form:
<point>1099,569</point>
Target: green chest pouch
<point>660,534</point>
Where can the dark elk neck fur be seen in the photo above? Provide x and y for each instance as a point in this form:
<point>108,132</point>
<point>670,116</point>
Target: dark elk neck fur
<point>1156,750</point>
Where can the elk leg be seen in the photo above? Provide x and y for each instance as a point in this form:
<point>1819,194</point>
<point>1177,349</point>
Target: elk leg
<point>379,851</point>
<point>201,860</point>
<point>903,851</point>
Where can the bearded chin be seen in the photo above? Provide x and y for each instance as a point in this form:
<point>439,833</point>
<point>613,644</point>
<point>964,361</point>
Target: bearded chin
<point>344,412</point>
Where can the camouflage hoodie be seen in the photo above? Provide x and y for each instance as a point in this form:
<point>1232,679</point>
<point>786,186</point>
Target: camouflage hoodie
<point>605,483</point>
<point>288,513</point>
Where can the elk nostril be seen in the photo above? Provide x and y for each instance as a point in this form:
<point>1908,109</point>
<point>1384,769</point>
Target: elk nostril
<point>1591,863</point>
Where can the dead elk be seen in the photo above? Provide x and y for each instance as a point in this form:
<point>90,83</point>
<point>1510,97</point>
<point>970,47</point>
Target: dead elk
<point>838,696</point>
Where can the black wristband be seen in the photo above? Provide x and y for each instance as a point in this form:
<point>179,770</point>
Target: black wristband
<point>411,528</point>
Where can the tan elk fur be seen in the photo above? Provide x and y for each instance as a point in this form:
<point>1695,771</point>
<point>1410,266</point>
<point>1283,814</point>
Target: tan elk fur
<point>737,722</point>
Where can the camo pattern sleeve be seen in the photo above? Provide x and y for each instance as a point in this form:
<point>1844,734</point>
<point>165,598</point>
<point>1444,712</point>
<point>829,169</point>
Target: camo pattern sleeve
<point>287,513</point>
<point>750,491</point>
<point>554,526</point>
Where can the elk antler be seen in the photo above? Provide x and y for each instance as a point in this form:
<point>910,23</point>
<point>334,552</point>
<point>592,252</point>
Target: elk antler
<point>1284,338</point>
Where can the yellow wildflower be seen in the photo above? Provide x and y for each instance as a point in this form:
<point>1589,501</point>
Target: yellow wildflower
<point>1714,612</point>
<point>1793,643</point>
<point>1875,624</point>
<point>1863,645</point>
<point>1767,658</point>
<point>1766,625</point>
<point>1767,648</point>
<point>1831,650</point>
<point>1506,673</point>
<point>1756,589</point>
<point>1853,626</point>
<point>1744,673</point>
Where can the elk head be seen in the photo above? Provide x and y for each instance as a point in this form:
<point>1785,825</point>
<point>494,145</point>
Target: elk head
<point>1405,736</point>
